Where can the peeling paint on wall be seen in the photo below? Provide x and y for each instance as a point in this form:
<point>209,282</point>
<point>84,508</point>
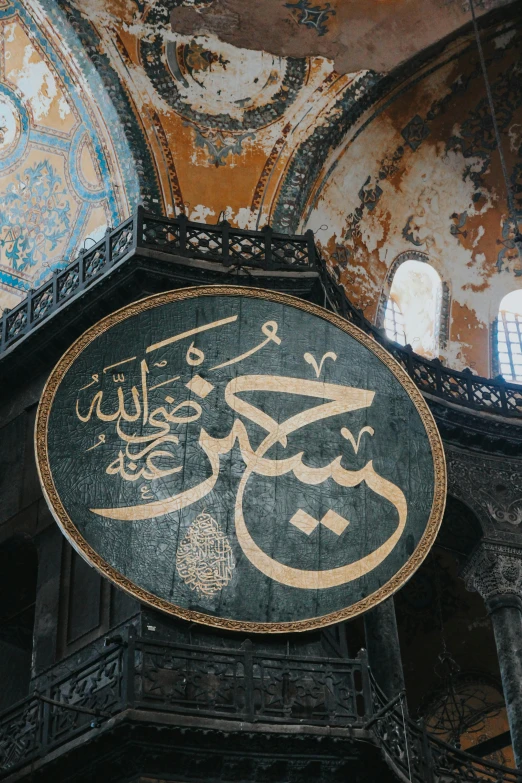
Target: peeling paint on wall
<point>425,175</point>
<point>198,118</point>
<point>60,181</point>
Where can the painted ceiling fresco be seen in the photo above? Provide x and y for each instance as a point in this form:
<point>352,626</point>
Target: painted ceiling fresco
<point>218,124</point>
<point>354,34</point>
<point>420,177</point>
<point>196,107</point>
<point>60,180</point>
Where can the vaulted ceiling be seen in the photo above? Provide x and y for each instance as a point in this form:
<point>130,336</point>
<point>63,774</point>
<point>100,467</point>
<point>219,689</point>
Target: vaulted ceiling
<point>363,120</point>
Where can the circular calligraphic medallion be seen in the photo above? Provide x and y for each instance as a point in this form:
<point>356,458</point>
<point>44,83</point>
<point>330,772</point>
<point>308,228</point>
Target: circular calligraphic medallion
<point>241,458</point>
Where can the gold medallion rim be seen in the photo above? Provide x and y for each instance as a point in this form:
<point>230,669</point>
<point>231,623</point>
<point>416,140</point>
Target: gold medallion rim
<point>87,552</point>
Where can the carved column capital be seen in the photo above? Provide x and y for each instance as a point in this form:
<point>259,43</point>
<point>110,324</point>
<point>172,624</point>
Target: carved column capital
<point>495,572</point>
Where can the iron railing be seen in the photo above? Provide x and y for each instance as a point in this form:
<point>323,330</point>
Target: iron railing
<point>430,375</point>
<point>233,247</point>
<point>236,684</point>
<point>221,243</point>
<point>418,757</point>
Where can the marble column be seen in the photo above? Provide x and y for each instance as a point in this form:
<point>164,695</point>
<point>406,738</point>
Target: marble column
<point>495,571</point>
<point>384,652</point>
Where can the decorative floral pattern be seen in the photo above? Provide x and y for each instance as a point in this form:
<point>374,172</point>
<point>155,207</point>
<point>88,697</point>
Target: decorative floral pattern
<point>415,132</point>
<point>309,15</point>
<point>34,216</point>
<point>218,144</point>
<point>209,83</point>
<point>64,175</point>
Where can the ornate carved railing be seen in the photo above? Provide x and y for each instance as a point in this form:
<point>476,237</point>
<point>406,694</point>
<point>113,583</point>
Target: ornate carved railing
<point>264,250</point>
<point>220,243</point>
<point>430,375</point>
<point>418,757</point>
<point>237,684</point>
<point>244,685</point>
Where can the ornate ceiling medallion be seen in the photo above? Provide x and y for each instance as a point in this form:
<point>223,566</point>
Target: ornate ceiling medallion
<point>218,85</point>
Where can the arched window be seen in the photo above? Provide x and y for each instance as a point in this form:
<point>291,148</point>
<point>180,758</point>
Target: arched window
<point>509,336</point>
<point>394,322</point>
<point>413,309</point>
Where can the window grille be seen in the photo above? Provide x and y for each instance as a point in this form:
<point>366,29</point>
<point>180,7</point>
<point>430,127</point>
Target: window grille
<point>394,322</point>
<point>510,345</point>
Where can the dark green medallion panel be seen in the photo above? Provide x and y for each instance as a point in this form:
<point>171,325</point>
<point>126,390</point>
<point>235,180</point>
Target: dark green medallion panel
<point>241,458</point>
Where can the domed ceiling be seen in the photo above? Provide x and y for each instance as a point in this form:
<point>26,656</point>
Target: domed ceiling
<point>288,113</point>
<point>420,177</point>
<point>60,176</point>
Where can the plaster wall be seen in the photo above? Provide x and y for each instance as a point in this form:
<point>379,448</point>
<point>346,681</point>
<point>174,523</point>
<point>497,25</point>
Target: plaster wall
<point>125,102</point>
<point>421,173</point>
<point>354,34</point>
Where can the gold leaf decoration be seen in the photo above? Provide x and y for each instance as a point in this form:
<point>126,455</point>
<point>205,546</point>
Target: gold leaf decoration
<point>204,559</point>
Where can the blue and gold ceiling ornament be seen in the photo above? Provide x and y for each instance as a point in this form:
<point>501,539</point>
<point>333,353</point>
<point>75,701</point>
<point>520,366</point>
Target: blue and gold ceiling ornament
<point>64,172</point>
<point>314,16</point>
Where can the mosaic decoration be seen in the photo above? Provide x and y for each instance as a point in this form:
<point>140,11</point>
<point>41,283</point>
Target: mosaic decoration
<point>35,214</point>
<point>415,132</point>
<point>476,140</point>
<point>431,181</point>
<point>249,134</point>
<point>457,227</point>
<point>57,161</point>
<point>475,137</point>
<point>509,252</point>
<point>134,154</point>
<point>219,144</point>
<point>309,159</point>
<point>516,184</point>
<point>369,194</point>
<point>410,232</point>
<point>314,16</point>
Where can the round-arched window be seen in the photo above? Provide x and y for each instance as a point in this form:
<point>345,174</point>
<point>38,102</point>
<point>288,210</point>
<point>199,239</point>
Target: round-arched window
<point>509,336</point>
<point>412,313</point>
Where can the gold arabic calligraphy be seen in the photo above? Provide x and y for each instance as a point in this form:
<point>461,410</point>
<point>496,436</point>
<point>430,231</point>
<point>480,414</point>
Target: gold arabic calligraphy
<point>204,559</point>
<point>154,449</point>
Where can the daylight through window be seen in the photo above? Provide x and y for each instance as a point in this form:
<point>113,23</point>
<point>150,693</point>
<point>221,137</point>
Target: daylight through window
<point>394,322</point>
<point>510,337</point>
<point>413,309</point>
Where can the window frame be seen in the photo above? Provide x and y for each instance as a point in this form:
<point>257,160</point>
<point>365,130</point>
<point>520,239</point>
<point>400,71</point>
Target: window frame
<point>502,328</point>
<point>442,315</point>
<point>393,307</point>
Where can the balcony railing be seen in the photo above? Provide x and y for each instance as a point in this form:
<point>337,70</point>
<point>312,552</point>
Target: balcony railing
<point>221,243</point>
<point>238,685</point>
<point>266,250</point>
<point>421,758</point>
<point>430,375</point>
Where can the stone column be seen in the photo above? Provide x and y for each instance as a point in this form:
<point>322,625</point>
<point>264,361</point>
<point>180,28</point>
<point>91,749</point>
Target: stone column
<point>495,571</point>
<point>384,652</point>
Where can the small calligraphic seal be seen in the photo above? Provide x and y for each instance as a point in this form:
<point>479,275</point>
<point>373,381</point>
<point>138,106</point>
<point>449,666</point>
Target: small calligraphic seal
<point>204,559</point>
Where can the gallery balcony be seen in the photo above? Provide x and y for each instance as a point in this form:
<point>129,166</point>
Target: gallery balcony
<point>148,253</point>
<point>166,694</point>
